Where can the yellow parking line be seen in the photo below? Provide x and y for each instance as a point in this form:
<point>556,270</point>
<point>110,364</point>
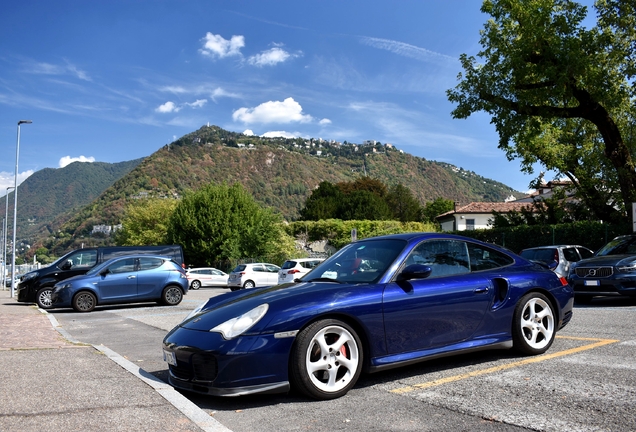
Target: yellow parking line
<point>596,344</point>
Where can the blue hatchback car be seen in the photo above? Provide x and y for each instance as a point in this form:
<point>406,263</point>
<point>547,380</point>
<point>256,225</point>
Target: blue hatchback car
<point>378,303</point>
<point>125,279</point>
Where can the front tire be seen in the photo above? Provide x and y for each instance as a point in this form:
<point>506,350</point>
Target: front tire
<point>326,360</point>
<point>195,285</point>
<point>171,296</point>
<point>533,327</point>
<point>43,298</point>
<point>84,301</point>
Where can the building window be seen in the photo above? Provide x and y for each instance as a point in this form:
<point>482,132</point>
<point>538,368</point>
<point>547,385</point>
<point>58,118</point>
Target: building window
<point>470,224</point>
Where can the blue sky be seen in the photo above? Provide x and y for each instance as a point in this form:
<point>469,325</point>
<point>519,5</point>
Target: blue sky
<point>112,81</point>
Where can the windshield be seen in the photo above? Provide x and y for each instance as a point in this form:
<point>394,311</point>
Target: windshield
<point>359,262</point>
<point>619,246</point>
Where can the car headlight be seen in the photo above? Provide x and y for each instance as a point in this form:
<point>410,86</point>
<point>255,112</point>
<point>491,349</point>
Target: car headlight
<point>29,276</point>
<point>627,267</point>
<point>242,323</point>
<point>195,311</point>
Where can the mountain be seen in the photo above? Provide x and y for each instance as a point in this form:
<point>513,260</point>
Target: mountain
<point>280,173</point>
<point>49,193</point>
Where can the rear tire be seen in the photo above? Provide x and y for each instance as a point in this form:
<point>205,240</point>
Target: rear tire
<point>171,296</point>
<point>43,298</point>
<point>248,284</point>
<point>533,326</point>
<point>84,301</point>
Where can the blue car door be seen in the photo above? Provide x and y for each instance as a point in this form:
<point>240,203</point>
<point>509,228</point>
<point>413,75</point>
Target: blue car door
<point>445,308</point>
<point>151,278</point>
<point>119,283</point>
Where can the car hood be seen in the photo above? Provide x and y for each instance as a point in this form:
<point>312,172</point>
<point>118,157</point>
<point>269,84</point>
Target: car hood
<point>287,302</point>
<point>607,260</point>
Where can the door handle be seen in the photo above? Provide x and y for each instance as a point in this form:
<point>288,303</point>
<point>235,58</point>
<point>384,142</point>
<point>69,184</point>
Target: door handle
<point>481,290</point>
<point>131,277</point>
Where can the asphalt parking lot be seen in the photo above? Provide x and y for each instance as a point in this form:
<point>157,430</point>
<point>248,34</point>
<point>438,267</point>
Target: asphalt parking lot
<point>585,382</point>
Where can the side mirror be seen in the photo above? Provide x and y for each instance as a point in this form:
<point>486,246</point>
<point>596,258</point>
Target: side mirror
<point>104,272</point>
<point>67,265</point>
<point>414,271</point>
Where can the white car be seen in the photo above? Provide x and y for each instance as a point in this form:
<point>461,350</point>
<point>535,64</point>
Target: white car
<point>205,277</point>
<point>296,268</point>
<point>253,275</point>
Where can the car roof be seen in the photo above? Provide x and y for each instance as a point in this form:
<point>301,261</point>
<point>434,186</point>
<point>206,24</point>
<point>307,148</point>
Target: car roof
<point>555,246</point>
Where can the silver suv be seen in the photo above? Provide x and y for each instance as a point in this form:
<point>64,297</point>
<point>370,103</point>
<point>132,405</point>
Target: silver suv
<point>557,257</point>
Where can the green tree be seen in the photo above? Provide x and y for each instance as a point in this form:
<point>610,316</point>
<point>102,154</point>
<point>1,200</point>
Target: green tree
<point>404,206</point>
<point>145,222</point>
<point>560,93</point>
<point>322,203</point>
<point>436,207</point>
<point>222,222</point>
<point>364,205</point>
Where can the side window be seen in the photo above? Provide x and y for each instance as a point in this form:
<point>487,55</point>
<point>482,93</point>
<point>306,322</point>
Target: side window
<point>122,266</point>
<point>215,272</point>
<point>271,269</point>
<point>570,254</point>
<point>445,257</point>
<point>83,259</point>
<point>149,263</point>
<point>258,268</point>
<point>585,253</point>
<point>484,258</point>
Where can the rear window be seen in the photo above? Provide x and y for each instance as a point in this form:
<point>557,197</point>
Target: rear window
<point>239,268</point>
<point>288,264</point>
<point>545,255</point>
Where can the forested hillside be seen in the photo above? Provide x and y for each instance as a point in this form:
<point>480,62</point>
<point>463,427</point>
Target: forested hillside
<point>280,173</point>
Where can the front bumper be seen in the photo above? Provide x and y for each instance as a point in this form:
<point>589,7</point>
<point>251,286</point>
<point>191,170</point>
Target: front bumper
<point>207,363</point>
<point>618,284</point>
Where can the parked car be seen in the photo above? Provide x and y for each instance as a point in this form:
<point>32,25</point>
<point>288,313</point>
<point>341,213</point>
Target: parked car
<point>206,277</point>
<point>377,303</point>
<point>558,258</point>
<point>610,272</point>
<point>253,275</point>
<point>36,286</point>
<point>296,268</point>
<point>127,279</point>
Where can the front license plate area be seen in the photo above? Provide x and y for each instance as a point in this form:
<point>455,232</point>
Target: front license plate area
<point>592,283</point>
<point>169,358</point>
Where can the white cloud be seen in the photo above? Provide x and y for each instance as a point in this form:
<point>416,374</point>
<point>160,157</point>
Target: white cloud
<point>219,92</point>
<point>216,45</point>
<point>287,111</point>
<point>6,180</point>
<point>248,132</point>
<point>407,50</point>
<point>269,57</point>
<point>52,69</point>
<point>283,134</point>
<point>168,107</point>
<point>324,121</point>
<point>198,103</point>
<point>66,160</point>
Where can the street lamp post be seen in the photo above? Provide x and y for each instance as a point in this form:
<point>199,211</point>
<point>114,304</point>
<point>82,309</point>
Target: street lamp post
<point>15,205</point>
<point>6,222</point>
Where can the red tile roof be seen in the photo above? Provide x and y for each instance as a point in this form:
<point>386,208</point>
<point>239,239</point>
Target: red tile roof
<point>489,208</point>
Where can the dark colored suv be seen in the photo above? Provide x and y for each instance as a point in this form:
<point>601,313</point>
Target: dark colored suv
<point>559,258</point>
<point>611,271</point>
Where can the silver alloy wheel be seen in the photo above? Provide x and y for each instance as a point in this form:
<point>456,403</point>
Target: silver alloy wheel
<point>332,359</point>
<point>249,284</point>
<point>44,298</point>
<point>195,285</point>
<point>172,296</point>
<point>537,323</point>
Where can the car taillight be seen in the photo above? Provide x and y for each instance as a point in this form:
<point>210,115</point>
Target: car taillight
<point>292,271</point>
<point>563,280</point>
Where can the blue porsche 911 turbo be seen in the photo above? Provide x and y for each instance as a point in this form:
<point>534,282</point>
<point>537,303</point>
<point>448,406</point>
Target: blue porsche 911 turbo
<point>376,304</point>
